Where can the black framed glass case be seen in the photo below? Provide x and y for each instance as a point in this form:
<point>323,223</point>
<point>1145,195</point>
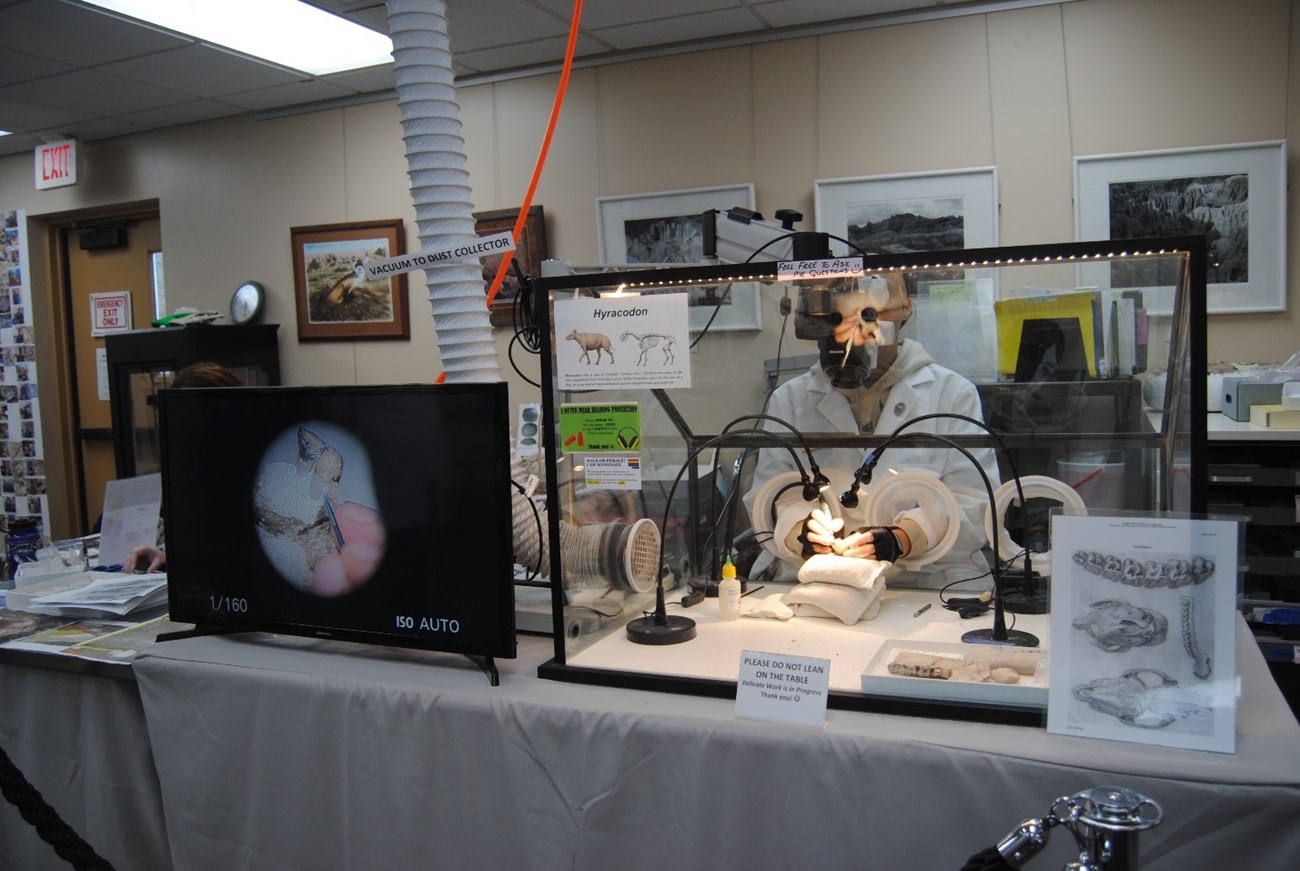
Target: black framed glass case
<point>692,411</point>
<point>143,362</point>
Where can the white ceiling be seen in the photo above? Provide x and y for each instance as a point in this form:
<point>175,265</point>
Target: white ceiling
<point>70,70</point>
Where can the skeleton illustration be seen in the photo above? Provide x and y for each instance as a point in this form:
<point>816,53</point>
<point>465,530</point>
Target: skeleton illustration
<point>1115,625</point>
<point>293,507</point>
<point>646,341</point>
<point>1172,573</point>
<point>1142,697</point>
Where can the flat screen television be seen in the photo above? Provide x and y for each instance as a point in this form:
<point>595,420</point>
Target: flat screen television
<point>379,514</point>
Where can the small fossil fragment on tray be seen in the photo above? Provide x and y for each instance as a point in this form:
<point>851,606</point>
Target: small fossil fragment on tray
<point>1000,667</point>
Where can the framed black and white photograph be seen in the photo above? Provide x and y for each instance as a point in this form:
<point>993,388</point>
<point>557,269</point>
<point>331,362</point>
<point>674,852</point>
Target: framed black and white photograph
<point>1234,195</point>
<point>895,214</point>
<point>655,229</point>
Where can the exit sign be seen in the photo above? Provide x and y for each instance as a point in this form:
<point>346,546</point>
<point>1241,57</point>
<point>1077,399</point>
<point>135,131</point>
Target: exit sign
<point>110,312</point>
<point>56,164</point>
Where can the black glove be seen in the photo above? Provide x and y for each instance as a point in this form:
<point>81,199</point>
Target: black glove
<point>802,538</point>
<point>888,548</point>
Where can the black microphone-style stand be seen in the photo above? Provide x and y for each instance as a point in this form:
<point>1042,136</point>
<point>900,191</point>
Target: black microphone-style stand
<point>999,634</point>
<point>659,627</point>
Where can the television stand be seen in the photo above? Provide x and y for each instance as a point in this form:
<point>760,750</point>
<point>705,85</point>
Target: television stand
<point>196,632</point>
<point>486,663</point>
<point>489,667</point>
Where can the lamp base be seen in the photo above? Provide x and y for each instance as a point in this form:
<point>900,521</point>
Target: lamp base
<point>675,630</point>
<point>1028,601</point>
<point>1015,638</point>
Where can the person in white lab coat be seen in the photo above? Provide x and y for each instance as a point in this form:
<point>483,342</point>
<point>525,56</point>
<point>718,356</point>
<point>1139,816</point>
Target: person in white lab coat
<point>870,380</point>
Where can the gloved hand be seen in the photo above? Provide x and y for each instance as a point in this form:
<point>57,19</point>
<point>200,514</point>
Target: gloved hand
<point>819,532</point>
<point>884,543</point>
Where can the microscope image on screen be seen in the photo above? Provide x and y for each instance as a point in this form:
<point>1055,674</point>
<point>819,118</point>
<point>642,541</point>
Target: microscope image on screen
<point>314,507</point>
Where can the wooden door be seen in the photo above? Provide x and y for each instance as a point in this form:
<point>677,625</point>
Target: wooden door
<point>89,272</point>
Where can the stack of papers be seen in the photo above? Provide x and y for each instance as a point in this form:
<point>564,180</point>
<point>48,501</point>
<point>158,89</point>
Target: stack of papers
<point>106,594</point>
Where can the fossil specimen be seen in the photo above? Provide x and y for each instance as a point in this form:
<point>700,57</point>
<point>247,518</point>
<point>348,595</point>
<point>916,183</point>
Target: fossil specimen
<point>293,506</point>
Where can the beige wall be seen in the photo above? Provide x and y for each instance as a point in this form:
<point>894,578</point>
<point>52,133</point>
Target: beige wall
<point>1025,90</point>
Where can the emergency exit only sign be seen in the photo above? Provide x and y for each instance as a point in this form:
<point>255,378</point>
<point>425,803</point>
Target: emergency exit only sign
<point>56,164</point>
<point>110,312</point>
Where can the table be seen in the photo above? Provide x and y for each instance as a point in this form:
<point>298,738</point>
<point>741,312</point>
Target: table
<point>78,735</point>
<point>283,753</point>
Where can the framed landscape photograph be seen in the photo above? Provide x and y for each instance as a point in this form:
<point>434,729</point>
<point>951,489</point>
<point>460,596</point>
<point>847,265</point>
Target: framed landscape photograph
<point>333,297</point>
<point>667,228</point>
<point>1234,195</point>
<point>530,251</point>
<point>929,211</point>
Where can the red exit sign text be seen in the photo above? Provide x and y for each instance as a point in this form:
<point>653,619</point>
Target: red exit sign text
<point>56,164</point>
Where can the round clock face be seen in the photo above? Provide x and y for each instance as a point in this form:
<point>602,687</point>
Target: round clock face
<point>246,303</point>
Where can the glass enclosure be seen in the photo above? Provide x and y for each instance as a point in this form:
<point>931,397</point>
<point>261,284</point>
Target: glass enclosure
<point>691,406</point>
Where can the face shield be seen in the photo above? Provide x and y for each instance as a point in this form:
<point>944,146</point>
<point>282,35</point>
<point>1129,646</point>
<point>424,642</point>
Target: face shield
<point>855,323</point>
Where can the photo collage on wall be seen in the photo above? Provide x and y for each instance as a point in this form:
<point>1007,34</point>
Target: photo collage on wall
<point>22,462</point>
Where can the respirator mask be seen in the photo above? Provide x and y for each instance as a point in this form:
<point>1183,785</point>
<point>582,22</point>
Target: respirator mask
<point>843,316</point>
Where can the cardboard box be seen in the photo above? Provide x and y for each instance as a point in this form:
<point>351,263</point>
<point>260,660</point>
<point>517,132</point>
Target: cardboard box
<point>1239,395</point>
<point>1275,416</point>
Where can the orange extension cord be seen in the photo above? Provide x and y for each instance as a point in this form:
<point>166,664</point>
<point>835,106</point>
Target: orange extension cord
<point>546,146</point>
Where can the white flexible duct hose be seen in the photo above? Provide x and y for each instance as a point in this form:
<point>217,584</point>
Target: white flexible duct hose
<point>435,158</point>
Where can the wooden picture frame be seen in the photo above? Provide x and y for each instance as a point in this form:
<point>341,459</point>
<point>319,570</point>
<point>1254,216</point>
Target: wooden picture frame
<point>333,302</point>
<point>530,251</point>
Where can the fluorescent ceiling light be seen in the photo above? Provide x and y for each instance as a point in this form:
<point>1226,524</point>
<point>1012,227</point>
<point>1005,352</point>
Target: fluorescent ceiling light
<point>285,32</point>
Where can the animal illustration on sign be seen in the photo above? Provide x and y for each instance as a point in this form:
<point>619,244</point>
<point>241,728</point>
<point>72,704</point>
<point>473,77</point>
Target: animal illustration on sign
<point>589,342</point>
<point>652,340</point>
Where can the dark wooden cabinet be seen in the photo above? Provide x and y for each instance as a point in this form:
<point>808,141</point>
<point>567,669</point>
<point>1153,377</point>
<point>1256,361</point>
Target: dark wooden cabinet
<point>1254,474</point>
<point>142,362</point>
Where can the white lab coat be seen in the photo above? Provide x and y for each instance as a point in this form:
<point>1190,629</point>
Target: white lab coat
<point>812,405</point>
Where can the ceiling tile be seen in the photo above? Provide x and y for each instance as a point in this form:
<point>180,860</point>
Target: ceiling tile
<point>17,66</point>
<point>287,95</point>
<point>616,13</point>
<point>94,92</point>
<point>793,13</point>
<point>77,35</point>
<point>24,116</point>
<point>509,22</point>
<point>17,144</point>
<point>181,113</point>
<point>365,81</point>
<point>540,53</point>
<point>202,70</point>
<point>89,130</point>
<point>684,29</point>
